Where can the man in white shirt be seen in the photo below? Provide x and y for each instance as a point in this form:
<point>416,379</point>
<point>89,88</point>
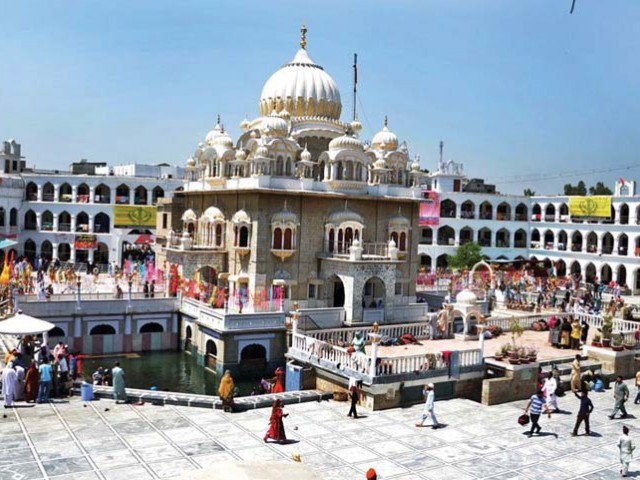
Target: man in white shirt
<point>549,388</point>
<point>626,448</point>
<point>429,407</point>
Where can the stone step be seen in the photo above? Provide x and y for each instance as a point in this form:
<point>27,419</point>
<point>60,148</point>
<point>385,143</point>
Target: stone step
<point>207,401</point>
<point>565,368</point>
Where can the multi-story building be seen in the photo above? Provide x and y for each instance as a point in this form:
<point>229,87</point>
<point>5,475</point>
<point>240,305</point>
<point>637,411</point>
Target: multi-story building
<point>510,227</point>
<point>81,217</point>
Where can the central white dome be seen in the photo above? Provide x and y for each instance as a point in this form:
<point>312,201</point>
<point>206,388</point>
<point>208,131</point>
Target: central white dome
<point>303,88</point>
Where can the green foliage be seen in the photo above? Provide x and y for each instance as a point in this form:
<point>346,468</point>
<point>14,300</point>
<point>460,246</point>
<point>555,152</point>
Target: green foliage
<point>528,192</point>
<point>607,326</point>
<point>600,189</point>
<point>466,256</point>
<point>516,330</point>
<point>579,189</point>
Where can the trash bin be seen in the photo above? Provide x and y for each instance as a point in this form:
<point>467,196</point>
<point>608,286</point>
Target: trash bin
<point>86,391</point>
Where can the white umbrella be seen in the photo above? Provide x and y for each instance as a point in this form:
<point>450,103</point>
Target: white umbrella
<point>21,324</point>
<point>252,471</point>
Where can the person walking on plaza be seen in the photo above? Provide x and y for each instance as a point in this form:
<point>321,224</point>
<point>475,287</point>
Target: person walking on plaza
<point>117,375</point>
<point>549,388</point>
<point>353,394</point>
<point>226,390</point>
<point>9,380</point>
<point>276,425</point>
<point>626,447</point>
<point>620,396</point>
<point>44,386</point>
<point>637,400</point>
<point>534,408</point>
<point>586,407</point>
<point>576,372</point>
<point>429,407</point>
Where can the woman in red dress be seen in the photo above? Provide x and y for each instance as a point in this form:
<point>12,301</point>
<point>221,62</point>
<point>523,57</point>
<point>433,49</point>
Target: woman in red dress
<point>276,426</point>
<point>278,385</point>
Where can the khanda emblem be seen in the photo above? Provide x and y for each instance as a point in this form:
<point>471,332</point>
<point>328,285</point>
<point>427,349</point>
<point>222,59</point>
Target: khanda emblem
<point>140,216</point>
<point>588,207</point>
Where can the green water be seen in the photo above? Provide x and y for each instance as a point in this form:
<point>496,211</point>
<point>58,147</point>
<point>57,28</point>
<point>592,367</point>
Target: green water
<point>172,371</point>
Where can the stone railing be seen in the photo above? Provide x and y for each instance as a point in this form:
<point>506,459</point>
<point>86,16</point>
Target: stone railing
<point>218,319</point>
<point>343,336</point>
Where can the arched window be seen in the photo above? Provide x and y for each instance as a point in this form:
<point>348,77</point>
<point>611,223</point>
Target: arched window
<point>536,213</point>
<point>102,223</point>
<point>504,212</point>
<point>140,195</point>
<point>340,240</point>
<point>277,238</point>
<point>46,223</point>
<point>486,211</point>
<point>219,235</point>
<point>288,239</point>
<point>46,249</point>
<point>550,213</point>
<point>82,222</point>
<point>466,235</point>
<point>102,194</point>
<point>48,192</point>
<point>332,239</point>
<point>243,240</point>
<point>13,217</point>
<point>403,242</point>
<point>122,194</point>
<point>448,209</point>
<point>56,332</point>
<point>30,250</point>
<point>348,238</point>
<point>521,213</point>
<point>83,193</point>
<point>156,193</point>
<point>31,192</point>
<point>394,237</point>
<point>30,222</point>
<point>520,239</point>
<point>624,214</point>
<point>65,193</point>
<point>467,210</point>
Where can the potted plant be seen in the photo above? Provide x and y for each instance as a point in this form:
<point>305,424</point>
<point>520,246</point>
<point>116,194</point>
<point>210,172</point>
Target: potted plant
<point>617,345</point>
<point>522,354</point>
<point>629,345</point>
<point>498,355</point>
<point>516,330</point>
<point>607,329</point>
<point>597,340</point>
<point>532,352</point>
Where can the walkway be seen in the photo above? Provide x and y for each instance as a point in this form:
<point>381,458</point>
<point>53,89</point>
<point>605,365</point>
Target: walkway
<point>102,440</point>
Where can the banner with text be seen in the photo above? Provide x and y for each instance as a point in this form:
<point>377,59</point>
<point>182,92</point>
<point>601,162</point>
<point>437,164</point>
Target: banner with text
<point>85,242</point>
<point>132,216</point>
<point>429,209</point>
<point>590,207</point>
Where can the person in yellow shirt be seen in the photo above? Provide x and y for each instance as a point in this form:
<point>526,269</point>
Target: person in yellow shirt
<point>637,400</point>
<point>576,331</point>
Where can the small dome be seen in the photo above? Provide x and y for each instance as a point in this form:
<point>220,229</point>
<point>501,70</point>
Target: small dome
<point>241,155</point>
<point>189,215</point>
<point>345,142</point>
<point>274,125</point>
<point>285,216</point>
<point>466,297</point>
<point>305,156</point>
<point>356,126</point>
<point>385,139</point>
<point>191,162</point>
<point>398,221</point>
<point>262,151</point>
<point>241,216</point>
<point>415,165</point>
<point>213,213</point>
<point>380,164</point>
<point>245,124</point>
<point>340,216</point>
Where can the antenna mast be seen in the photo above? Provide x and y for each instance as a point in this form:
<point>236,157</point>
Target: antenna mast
<point>355,83</point>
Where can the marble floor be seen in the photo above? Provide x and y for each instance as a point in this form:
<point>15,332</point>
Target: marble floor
<point>101,440</point>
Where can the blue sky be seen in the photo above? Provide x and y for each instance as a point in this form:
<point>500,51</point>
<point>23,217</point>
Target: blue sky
<point>513,87</point>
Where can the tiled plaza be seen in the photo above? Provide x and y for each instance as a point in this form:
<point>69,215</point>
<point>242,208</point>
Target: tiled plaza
<point>106,441</point>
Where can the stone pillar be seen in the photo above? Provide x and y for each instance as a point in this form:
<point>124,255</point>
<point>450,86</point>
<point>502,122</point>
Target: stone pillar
<point>127,324</point>
<point>72,253</point>
<point>56,193</point>
<point>92,194</point>
<point>38,221</point>
<point>54,251</point>
<point>600,242</point>
<point>77,327</point>
<point>55,222</point>
<point>73,223</point>
<point>512,239</point>
<point>355,252</point>
<point>557,216</point>
<point>132,196</point>
<point>91,223</point>
<point>149,195</point>
<point>90,252</point>
<point>74,194</point>
<point>39,193</point>
<point>456,237</point>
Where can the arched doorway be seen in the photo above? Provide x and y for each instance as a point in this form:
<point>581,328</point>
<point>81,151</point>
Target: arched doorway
<point>208,274</point>
<point>590,273</point>
<point>64,252</point>
<point>442,262</point>
<point>211,355</point>
<point>46,250</point>
<point>561,268</point>
<point>373,293</point>
<point>622,275</point>
<point>576,269</point>
<point>188,333</point>
<point>102,329</point>
<point>152,327</point>
<point>101,254</point>
<point>336,288</point>
<point>605,273</point>
<point>253,359</point>
<point>30,250</point>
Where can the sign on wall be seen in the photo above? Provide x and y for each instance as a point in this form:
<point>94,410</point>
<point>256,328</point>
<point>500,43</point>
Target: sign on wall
<point>85,242</point>
<point>429,209</point>
<point>595,206</point>
<point>131,216</point>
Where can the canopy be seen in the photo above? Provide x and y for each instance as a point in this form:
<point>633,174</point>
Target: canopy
<point>6,243</point>
<point>252,471</point>
<point>21,324</point>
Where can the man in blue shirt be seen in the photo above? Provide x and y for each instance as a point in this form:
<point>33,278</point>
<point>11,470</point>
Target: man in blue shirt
<point>45,381</point>
<point>536,403</point>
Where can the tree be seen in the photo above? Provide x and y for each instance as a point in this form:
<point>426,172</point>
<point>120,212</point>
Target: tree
<point>580,189</point>
<point>528,192</point>
<point>466,256</point>
<point>600,189</point>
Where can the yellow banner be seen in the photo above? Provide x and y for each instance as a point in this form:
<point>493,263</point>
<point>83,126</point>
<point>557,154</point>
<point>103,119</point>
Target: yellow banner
<point>128,216</point>
<point>596,206</point>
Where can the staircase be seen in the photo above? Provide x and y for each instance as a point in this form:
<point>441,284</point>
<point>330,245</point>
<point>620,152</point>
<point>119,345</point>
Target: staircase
<point>564,367</point>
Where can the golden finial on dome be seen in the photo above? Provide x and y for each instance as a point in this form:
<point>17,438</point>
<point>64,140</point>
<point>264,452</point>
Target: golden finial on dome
<point>385,121</point>
<point>303,37</point>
